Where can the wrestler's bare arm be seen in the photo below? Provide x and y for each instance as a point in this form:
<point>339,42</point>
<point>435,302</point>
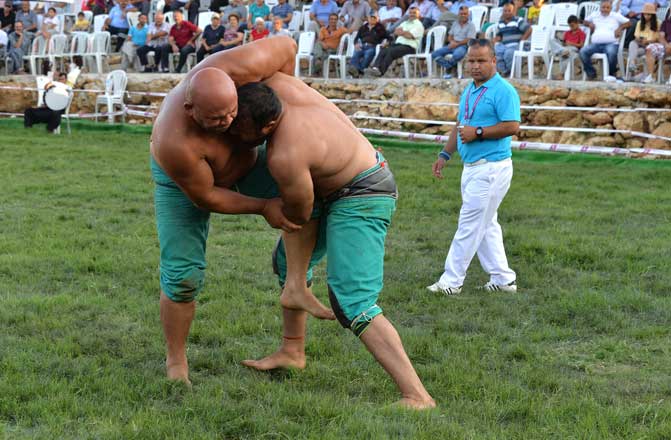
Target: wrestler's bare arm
<point>255,61</point>
<point>291,170</point>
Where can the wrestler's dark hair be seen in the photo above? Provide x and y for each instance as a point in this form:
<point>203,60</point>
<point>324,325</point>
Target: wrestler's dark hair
<point>258,105</point>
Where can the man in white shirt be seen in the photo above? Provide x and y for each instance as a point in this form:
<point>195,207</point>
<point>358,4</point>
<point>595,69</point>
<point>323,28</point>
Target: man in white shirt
<point>408,36</point>
<point>390,14</point>
<point>607,27</point>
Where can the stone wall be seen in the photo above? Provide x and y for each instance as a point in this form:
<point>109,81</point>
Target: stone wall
<point>547,93</point>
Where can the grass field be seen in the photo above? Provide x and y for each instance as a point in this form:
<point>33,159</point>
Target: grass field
<point>583,351</point>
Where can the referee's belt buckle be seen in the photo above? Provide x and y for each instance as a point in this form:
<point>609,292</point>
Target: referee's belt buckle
<point>476,163</point>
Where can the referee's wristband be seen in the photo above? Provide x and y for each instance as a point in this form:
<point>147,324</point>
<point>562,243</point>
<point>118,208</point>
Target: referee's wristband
<point>445,155</point>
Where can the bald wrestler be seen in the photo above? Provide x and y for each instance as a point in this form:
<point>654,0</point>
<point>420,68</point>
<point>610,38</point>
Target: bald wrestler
<point>315,153</point>
<point>197,171</point>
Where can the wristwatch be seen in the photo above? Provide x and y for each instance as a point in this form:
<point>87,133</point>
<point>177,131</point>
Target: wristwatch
<point>479,132</point>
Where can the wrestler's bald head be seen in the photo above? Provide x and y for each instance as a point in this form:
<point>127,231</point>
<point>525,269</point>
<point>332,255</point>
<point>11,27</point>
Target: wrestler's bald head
<point>211,99</point>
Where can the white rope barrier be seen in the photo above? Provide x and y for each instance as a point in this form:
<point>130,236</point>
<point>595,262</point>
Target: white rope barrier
<point>522,127</point>
<point>74,115</point>
<point>538,146</point>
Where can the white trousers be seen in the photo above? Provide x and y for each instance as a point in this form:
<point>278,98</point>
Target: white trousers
<point>483,188</point>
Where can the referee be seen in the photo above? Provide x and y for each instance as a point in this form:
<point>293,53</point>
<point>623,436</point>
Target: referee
<point>489,114</point>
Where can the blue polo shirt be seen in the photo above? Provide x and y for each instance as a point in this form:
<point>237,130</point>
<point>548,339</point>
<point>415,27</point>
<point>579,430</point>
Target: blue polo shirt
<point>499,102</point>
<point>322,12</point>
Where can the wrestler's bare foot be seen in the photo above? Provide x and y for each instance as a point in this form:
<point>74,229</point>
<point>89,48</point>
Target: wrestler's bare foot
<point>280,359</point>
<point>304,299</point>
<point>178,372</point>
<point>416,404</point>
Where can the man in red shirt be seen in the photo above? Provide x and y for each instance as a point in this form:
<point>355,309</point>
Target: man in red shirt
<point>182,38</point>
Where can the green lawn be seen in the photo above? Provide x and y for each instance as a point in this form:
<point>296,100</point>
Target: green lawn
<point>583,350</point>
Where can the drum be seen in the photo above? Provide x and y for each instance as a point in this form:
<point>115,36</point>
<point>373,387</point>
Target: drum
<point>57,96</point>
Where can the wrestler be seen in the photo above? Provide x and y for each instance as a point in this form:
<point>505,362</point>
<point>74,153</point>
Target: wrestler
<point>197,171</point>
<point>315,153</point>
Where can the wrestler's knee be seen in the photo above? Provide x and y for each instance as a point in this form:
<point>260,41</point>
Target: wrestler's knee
<point>355,317</point>
<point>183,286</point>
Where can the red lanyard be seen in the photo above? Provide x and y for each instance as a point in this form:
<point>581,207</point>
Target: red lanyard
<point>475,104</point>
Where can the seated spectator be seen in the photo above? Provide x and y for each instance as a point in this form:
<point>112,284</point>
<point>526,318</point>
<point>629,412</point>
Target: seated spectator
<point>645,34</point>
<point>233,35</point>
<point>510,31</point>
<point>460,33</point>
<point>534,12</point>
<point>521,10</point>
<point>320,12</point>
<point>354,13</point>
<point>239,9</point>
<point>190,6</point>
<point>282,10</point>
<point>182,38</point>
<point>50,24</point>
<point>425,8</point>
<point>81,24</point>
<point>659,50</point>
<point>278,29</point>
<point>7,18</point>
<point>43,114</point>
<point>632,10</point>
<point>389,14</point>
<point>141,5</point>
<point>157,42</point>
<point>450,15</point>
<point>607,27</point>
<point>258,9</point>
<point>370,34</point>
<point>408,36</point>
<point>137,36</point>
<point>18,47</point>
<point>28,18</point>
<point>213,34</point>
<point>259,32</point>
<point>327,43</point>
<point>573,40</point>
<point>117,23</point>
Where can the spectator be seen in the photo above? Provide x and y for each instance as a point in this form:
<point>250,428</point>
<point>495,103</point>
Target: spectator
<point>460,33</point>
<point>27,17</point>
<point>283,10</point>
<point>534,12</point>
<point>81,24</point>
<point>259,32</point>
<point>137,36</point>
<point>7,18</point>
<point>141,5</point>
<point>449,16</point>
<point>157,42</point>
<point>511,30</point>
<point>50,24</point>
<point>43,114</point>
<point>389,14</point>
<point>354,13</point>
<point>425,8</point>
<point>320,12</point>
<point>645,34</point>
<point>218,5</point>
<point>659,50</point>
<point>18,47</point>
<point>99,7</point>
<point>233,36</point>
<point>632,9</point>
<point>4,43</point>
<point>573,39</point>
<point>190,6</point>
<point>182,38</point>
<point>117,23</point>
<point>327,44</point>
<point>278,29</point>
<point>607,27</point>
<point>258,9</point>
<point>370,34</point>
<point>236,7</point>
<point>408,36</point>
<point>213,34</point>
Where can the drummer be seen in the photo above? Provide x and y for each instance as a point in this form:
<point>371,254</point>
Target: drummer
<point>55,96</point>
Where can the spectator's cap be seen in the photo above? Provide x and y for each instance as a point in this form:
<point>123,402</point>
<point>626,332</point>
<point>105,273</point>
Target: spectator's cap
<point>649,8</point>
<point>215,15</point>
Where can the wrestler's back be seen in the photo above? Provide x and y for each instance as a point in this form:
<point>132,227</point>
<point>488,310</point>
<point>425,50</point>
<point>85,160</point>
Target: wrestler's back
<point>177,140</point>
<point>337,150</point>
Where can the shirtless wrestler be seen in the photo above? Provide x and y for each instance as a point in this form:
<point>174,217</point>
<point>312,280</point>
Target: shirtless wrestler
<point>197,171</point>
<point>315,152</point>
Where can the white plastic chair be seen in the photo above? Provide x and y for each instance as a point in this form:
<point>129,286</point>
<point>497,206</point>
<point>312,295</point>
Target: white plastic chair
<point>562,12</point>
<point>204,18</point>
<point>99,22</point>
<point>570,65</point>
<point>79,44</point>
<point>306,17</point>
<point>345,48</point>
<point>41,81</point>
<point>57,48</point>
<point>435,39</point>
<point>539,47</point>
<point>38,50</point>
<point>88,15</point>
<point>546,18</point>
<point>169,18</point>
<point>115,87</point>
<point>589,8</point>
<point>99,49</point>
<point>306,43</point>
<point>295,23</point>
<point>604,59</point>
<point>495,15</point>
<point>660,69</point>
<point>133,18</point>
<point>478,14</point>
<point>661,13</point>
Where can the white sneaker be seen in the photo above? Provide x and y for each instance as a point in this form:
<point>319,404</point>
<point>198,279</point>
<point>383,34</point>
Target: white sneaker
<point>508,288</point>
<point>447,290</point>
<point>610,78</point>
<point>648,79</point>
